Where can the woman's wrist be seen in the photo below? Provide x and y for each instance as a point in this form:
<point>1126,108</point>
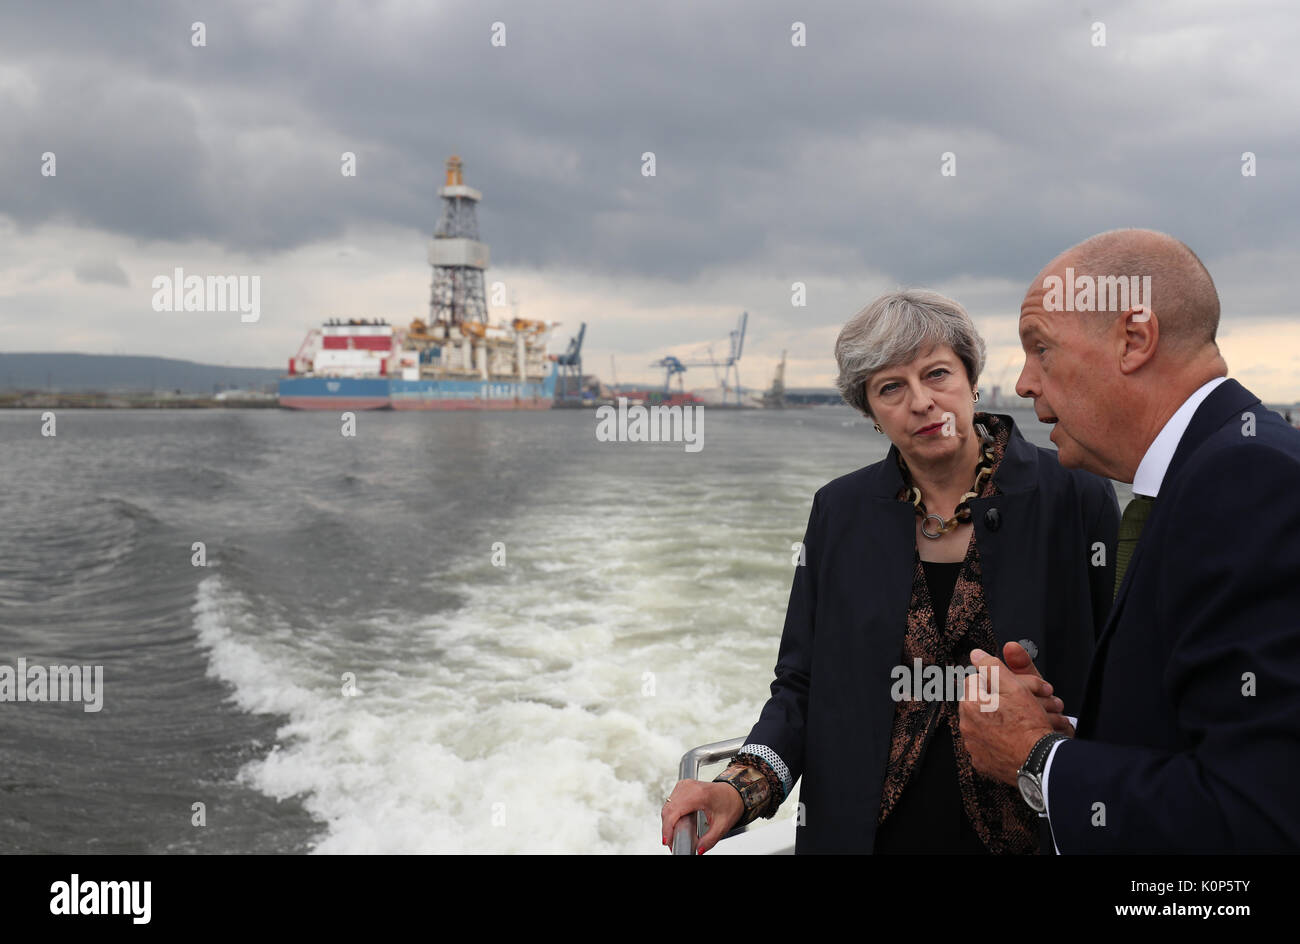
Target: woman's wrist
<point>752,784</point>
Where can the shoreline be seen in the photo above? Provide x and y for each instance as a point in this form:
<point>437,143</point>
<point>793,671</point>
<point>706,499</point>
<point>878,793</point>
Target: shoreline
<point>127,401</point>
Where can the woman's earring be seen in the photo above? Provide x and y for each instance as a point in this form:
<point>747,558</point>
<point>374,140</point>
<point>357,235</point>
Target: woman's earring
<point>977,396</point>
<point>878,429</point>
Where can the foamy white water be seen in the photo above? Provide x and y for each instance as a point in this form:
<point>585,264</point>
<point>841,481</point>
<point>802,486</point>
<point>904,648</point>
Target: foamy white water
<point>548,712</point>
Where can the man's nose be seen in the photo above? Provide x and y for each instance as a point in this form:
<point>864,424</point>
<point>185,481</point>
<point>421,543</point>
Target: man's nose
<point>1027,382</point>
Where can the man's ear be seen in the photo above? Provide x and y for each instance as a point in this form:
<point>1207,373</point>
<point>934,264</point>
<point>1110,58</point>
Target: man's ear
<point>1141,335</point>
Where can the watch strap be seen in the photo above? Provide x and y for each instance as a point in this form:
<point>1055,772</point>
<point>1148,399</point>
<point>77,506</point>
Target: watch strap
<point>1039,753</point>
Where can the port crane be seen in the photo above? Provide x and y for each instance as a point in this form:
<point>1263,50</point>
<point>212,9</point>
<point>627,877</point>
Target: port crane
<point>569,382</point>
<point>673,366</point>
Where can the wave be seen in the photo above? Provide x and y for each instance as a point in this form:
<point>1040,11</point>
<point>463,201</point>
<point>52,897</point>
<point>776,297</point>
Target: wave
<point>526,721</point>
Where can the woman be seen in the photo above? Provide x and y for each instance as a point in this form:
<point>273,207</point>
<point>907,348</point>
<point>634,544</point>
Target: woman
<point>965,536</point>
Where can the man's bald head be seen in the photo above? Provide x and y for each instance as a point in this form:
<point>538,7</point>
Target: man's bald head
<point>1107,375</point>
<point>1182,293</point>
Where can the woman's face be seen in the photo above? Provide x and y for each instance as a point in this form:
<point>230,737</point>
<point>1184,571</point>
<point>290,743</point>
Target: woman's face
<point>925,407</point>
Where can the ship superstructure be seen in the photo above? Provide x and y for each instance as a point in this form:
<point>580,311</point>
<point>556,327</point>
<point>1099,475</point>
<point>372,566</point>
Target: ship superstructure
<point>454,360</point>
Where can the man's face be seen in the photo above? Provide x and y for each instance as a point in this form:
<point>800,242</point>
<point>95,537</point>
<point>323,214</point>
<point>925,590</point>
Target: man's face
<point>1066,374</point>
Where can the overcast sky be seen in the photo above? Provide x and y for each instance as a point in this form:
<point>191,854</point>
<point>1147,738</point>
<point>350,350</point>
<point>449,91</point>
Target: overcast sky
<point>775,163</point>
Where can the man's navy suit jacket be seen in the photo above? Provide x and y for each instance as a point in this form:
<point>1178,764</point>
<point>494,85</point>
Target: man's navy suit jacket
<point>1189,733</point>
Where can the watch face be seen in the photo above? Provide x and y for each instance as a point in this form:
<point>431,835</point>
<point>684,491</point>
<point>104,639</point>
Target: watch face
<point>1032,792</point>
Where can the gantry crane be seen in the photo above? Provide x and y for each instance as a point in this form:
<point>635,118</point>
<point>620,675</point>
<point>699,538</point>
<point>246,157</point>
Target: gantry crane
<point>569,382</point>
<point>731,365</point>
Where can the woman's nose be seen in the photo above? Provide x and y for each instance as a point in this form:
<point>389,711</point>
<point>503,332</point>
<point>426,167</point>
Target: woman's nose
<point>921,399</point>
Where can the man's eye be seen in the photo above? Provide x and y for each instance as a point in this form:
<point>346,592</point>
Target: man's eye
<point>1040,350</point>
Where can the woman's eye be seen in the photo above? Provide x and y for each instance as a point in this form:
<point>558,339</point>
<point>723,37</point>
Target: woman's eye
<point>888,388</point>
<point>938,371</point>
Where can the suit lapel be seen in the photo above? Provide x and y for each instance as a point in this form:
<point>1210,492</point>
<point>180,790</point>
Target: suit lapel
<point>1015,605</point>
<point>881,541</point>
<point>1092,688</point>
<point>881,544</point>
<point>1223,403</point>
<point>1004,525</point>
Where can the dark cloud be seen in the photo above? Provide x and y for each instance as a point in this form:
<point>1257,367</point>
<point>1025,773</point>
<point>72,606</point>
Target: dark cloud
<point>766,154</point>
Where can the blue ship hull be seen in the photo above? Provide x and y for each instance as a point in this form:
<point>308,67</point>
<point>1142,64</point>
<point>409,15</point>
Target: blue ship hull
<point>381,393</point>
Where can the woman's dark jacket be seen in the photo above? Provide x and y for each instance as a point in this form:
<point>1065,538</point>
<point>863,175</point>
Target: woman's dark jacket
<point>1046,546</point>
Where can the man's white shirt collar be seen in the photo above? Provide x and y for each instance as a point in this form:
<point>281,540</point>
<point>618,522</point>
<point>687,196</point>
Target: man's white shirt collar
<point>1151,470</point>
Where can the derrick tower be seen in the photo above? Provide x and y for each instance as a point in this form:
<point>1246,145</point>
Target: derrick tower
<point>457,256</point>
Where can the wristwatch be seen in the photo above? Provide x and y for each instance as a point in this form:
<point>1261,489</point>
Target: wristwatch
<point>1030,776</point>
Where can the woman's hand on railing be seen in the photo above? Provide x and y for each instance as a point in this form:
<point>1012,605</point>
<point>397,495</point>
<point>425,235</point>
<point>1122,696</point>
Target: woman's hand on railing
<point>720,803</point>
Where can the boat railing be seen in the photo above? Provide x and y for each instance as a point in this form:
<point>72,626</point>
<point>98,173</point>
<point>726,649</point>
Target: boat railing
<point>691,828</point>
<point>775,838</point>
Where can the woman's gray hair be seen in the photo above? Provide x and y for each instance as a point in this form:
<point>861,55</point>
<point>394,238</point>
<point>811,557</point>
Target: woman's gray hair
<point>895,329</point>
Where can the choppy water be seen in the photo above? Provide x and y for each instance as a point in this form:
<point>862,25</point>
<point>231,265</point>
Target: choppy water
<point>540,706</point>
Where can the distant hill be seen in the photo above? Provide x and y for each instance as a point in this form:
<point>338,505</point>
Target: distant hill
<point>124,373</point>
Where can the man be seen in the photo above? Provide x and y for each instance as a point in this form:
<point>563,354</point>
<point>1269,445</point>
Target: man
<point>1188,737</point>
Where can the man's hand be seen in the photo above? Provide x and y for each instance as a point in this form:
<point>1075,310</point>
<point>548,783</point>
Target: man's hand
<point>1017,660</point>
<point>999,741</point>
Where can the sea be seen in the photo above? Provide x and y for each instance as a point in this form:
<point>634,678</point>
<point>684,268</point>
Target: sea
<point>451,632</point>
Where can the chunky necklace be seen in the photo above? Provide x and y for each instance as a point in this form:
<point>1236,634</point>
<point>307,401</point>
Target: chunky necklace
<point>961,514</point>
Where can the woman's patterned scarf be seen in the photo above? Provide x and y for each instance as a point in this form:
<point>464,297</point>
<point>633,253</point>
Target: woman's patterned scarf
<point>1000,817</point>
